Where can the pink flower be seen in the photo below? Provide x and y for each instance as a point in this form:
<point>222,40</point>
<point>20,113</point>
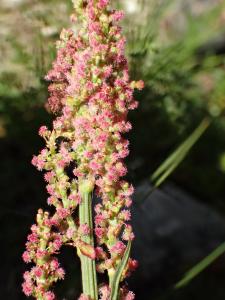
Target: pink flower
<point>54,264</point>
<point>84,297</point>
<point>43,131</point>
<point>88,154</point>
<point>125,214</point>
<point>128,234</point>
<point>33,237</point>
<point>37,271</point>
<point>77,173</point>
<point>103,3</point>
<point>95,27</point>
<point>27,276</point>
<point>128,191</point>
<point>98,209</point>
<point>75,197</point>
<point>128,202</point>
<point>41,253</point>
<point>49,176</point>
<point>70,233</point>
<point>117,16</point>
<point>118,248</point>
<point>85,229</point>
<point>50,189</point>
<point>49,296</point>
<point>57,243</point>
<point>63,212</point>
<point>57,124</point>
<point>121,169</point>
<point>62,163</point>
<point>89,86</point>
<point>99,232</point>
<point>51,200</point>
<point>26,257</point>
<point>27,288</point>
<point>60,273</point>
<point>99,219</point>
<point>123,153</point>
<point>95,166</point>
<point>38,162</point>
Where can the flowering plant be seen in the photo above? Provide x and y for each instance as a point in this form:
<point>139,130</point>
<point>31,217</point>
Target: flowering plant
<point>90,92</point>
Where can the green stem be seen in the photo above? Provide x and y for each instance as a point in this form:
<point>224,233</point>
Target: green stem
<point>88,267</point>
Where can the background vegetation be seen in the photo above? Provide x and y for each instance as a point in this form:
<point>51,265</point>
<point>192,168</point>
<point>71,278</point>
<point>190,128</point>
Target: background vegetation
<point>178,48</point>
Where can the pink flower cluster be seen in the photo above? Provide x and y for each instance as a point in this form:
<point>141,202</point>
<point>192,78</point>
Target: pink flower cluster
<point>91,93</point>
<point>41,247</point>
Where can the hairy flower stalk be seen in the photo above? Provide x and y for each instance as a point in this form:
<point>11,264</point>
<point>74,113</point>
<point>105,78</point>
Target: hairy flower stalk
<point>91,95</point>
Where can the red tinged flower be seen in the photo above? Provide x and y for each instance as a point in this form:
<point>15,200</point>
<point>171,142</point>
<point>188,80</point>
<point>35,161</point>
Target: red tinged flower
<point>26,257</point>
<point>27,289</point>
<point>43,131</point>
<point>49,296</point>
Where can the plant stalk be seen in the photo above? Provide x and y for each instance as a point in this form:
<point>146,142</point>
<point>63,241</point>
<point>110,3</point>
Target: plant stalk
<point>88,266</point>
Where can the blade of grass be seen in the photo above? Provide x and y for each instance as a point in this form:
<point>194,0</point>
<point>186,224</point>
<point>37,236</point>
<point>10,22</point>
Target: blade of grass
<point>171,163</point>
<point>201,266</point>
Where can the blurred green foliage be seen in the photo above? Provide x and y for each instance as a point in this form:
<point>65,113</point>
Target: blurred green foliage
<point>201,266</point>
<point>183,68</point>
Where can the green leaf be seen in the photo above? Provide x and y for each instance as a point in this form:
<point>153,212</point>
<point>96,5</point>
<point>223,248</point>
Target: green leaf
<point>171,163</point>
<point>201,266</point>
<point>117,277</point>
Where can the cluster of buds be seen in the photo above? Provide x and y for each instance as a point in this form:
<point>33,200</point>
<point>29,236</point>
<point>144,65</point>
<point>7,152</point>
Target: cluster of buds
<point>91,94</point>
<point>41,246</point>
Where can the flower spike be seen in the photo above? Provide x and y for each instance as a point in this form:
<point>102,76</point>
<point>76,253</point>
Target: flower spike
<point>91,94</point>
